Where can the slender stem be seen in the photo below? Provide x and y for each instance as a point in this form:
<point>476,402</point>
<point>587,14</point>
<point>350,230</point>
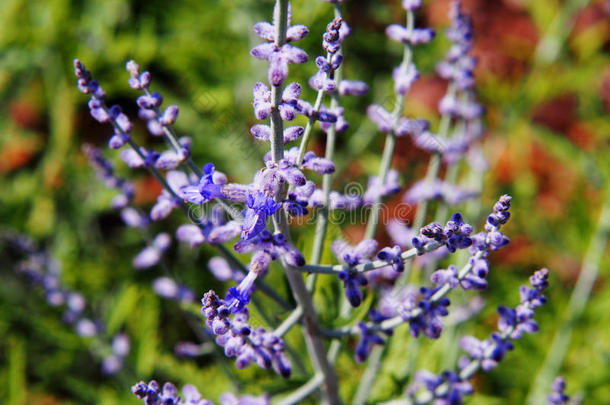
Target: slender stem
<point>289,322</point>
<point>390,141</point>
<point>303,391</point>
<point>431,173</point>
<point>309,126</point>
<point>575,309</point>
<point>361,268</point>
<point>314,341</point>
<point>370,373</point>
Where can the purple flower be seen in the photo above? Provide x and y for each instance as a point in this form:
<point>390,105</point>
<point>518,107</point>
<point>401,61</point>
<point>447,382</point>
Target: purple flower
<point>268,247</point>
<point>367,340</point>
<point>205,191</point>
<point>557,395</point>
<point>150,394</point>
<point>363,252</point>
<point>287,107</point>
<point>238,297</point>
<point>259,208</point>
<point>352,282</point>
<point>137,81</point>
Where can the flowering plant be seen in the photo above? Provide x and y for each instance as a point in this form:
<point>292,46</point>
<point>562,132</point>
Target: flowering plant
<point>255,219</point>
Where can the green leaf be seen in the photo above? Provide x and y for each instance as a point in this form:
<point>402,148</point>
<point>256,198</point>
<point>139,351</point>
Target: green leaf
<point>122,308</point>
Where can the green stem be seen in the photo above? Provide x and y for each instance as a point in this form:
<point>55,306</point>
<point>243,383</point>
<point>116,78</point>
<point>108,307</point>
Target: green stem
<point>431,174</point>
<point>390,140</point>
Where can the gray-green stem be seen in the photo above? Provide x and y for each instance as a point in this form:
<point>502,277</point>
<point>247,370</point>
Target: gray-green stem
<point>314,341</point>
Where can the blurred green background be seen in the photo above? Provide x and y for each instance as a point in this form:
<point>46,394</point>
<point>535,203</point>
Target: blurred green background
<point>543,75</point>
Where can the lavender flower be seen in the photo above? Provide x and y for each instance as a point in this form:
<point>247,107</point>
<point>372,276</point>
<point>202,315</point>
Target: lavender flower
<point>266,248</point>
<point>392,255</point>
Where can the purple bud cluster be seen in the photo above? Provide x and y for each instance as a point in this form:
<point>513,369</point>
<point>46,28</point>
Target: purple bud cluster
<point>97,107</point>
<point>323,80</point>
<point>452,386</point>
<point>240,340</point>
<point>512,323</point>
<point>369,337</point>
<point>460,102</point>
<point>151,394</point>
<point>353,282</point>
<point>150,103</point>
<point>454,235</point>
